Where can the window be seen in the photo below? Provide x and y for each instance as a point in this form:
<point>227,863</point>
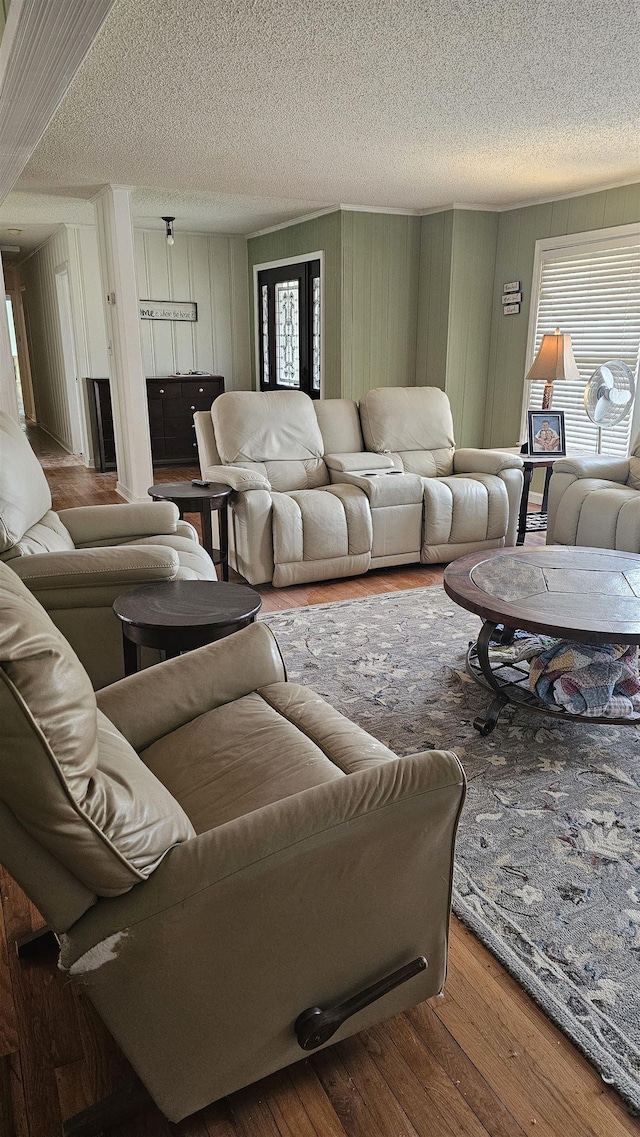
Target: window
<point>592,291</point>
<point>289,328</point>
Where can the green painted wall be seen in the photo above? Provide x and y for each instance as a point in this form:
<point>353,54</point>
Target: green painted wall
<point>321,233</point>
<point>371,263</point>
<point>457,257</point>
<point>436,248</point>
<point>380,273</point>
<point>518,231</point>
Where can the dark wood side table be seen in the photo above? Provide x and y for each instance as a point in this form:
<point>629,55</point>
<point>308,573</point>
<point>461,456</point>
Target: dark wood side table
<point>179,615</point>
<point>534,522</point>
<point>198,499</point>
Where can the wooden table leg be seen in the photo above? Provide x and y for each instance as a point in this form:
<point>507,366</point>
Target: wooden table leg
<point>223,530</point>
<point>207,529</point>
<point>524,504</point>
<point>130,652</point>
<point>544,508</point>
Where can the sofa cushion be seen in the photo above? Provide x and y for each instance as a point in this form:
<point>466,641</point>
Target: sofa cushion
<point>73,780</point>
<point>24,492</point>
<point>277,429</point>
<point>312,525</point>
<point>275,742</point>
<point>339,423</point>
<point>414,422</point>
<point>464,508</point>
<point>600,514</point>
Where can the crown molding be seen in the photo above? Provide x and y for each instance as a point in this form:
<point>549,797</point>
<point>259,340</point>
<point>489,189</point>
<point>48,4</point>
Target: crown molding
<point>43,44</point>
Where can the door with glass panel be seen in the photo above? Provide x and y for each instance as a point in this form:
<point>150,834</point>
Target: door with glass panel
<point>289,328</point>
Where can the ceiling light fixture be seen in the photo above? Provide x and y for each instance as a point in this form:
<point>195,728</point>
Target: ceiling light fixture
<point>169,224</point>
<point>14,232</point>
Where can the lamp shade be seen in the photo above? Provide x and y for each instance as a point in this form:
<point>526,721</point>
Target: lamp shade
<point>554,359</point>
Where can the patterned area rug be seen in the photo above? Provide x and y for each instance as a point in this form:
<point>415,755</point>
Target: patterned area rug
<point>548,852</point>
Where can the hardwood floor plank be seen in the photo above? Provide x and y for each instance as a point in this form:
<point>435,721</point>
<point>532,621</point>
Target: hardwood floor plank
<point>305,1083</point>
<point>9,1043</point>
<point>361,1066</point>
<point>13,1107</point>
<point>355,1116</point>
<point>428,1094</point>
<point>485,1103</point>
<point>287,1110</point>
<point>251,1113</point>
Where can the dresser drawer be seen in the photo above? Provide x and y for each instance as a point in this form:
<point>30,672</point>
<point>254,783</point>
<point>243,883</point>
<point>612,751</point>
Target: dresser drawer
<point>209,388</point>
<point>164,389</point>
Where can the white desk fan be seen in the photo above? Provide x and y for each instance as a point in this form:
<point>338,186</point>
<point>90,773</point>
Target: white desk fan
<point>608,396</point>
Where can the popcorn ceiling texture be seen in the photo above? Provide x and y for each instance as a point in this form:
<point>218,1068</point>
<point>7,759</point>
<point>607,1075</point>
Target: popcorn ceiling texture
<point>415,103</point>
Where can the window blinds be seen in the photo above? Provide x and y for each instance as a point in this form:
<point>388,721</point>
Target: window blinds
<point>595,297</point>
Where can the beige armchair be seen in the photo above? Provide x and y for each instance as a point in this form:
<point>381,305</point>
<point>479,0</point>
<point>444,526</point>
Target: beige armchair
<point>77,561</point>
<point>594,500</point>
<point>206,890</point>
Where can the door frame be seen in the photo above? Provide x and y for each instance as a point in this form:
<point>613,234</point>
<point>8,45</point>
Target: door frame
<point>301,259</point>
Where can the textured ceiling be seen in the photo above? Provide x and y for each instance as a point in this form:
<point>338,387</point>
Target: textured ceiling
<point>410,103</point>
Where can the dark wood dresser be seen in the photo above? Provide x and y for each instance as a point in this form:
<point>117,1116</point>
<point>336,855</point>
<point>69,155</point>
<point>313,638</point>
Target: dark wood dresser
<point>172,401</point>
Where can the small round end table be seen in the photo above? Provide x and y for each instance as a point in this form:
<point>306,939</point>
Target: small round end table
<point>179,615</point>
<point>202,500</point>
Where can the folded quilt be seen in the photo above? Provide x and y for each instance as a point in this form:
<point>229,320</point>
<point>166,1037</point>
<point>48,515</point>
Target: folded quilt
<point>595,680</point>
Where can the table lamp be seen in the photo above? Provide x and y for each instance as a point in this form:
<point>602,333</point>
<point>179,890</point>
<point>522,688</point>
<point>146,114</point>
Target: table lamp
<point>553,361</point>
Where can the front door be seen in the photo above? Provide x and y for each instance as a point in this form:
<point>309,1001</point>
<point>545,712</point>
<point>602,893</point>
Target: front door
<point>289,328</point>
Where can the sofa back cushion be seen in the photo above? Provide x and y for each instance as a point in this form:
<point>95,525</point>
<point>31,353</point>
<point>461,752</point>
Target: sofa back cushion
<point>24,492</point>
<point>278,430</point>
<point>414,422</point>
<point>68,776</point>
<point>48,535</point>
<point>339,424</point>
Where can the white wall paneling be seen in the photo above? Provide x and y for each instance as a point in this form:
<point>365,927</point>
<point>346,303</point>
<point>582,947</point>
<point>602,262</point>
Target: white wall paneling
<point>212,270</point>
<point>88,317</point>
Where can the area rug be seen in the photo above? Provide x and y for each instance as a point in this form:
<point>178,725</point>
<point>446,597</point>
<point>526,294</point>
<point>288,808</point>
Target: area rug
<point>548,851</point>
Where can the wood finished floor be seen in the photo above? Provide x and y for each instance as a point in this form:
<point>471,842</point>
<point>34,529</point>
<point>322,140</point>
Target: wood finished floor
<point>482,1060</point>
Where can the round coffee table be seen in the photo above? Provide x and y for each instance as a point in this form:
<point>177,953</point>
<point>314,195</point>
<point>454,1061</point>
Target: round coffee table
<point>202,500</point>
<point>580,594</point>
<point>178,615</point>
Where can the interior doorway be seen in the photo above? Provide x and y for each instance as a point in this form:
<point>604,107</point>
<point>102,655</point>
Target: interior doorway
<point>18,343</point>
<point>76,418</point>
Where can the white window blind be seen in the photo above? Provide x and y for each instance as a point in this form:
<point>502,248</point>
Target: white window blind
<point>594,295</point>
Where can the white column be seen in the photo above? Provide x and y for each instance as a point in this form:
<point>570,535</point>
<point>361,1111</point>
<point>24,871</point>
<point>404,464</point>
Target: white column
<point>126,368</point>
<point>8,392</point>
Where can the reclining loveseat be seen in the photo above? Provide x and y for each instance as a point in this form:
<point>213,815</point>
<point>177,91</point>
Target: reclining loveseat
<point>326,489</point>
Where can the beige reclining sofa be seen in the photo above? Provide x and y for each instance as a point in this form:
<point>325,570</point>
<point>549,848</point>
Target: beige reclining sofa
<point>77,561</point>
<point>594,500</point>
<point>326,489</point>
<point>207,890</point>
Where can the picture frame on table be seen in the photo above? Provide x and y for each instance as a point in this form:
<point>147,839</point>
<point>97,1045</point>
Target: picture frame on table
<point>545,434</point>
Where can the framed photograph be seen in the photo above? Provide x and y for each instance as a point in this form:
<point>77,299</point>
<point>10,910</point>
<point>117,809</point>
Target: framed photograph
<point>546,433</point>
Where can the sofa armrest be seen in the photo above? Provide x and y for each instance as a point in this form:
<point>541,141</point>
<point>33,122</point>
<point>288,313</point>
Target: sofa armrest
<point>355,463</point>
<point>594,466</point>
<point>118,566</point>
<point>471,460</point>
<point>315,819</point>
<point>238,477</point>
<point>158,700</point>
<point>90,524</point>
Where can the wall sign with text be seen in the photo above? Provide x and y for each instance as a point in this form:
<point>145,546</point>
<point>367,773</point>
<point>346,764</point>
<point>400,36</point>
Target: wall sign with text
<point>180,310</point>
<point>511,298</point>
